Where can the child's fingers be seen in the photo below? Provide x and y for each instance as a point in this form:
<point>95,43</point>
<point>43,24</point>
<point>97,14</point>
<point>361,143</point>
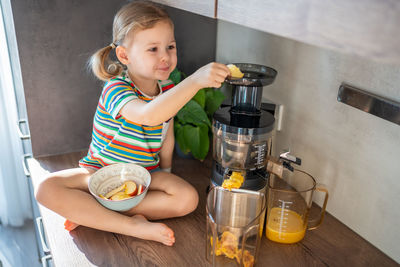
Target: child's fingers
<point>221,77</point>
<point>222,70</point>
<point>219,74</point>
<point>212,75</point>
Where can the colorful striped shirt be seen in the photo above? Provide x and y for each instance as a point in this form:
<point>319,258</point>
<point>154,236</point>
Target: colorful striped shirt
<point>116,139</point>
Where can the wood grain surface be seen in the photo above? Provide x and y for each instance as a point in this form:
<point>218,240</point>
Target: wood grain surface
<point>332,244</point>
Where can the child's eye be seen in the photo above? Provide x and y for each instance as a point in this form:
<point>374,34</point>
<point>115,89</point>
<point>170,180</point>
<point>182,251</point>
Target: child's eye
<point>153,49</point>
<point>171,47</point>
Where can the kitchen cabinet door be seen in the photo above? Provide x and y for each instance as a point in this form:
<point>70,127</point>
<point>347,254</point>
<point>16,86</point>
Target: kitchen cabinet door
<point>205,7</point>
<point>367,28</point>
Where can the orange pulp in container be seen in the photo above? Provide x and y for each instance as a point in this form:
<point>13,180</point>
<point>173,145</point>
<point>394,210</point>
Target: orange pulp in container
<point>285,226</point>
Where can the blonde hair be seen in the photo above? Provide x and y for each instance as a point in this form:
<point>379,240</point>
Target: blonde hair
<point>138,15</point>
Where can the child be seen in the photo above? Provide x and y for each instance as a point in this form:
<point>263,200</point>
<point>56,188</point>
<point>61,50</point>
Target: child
<point>135,113</point>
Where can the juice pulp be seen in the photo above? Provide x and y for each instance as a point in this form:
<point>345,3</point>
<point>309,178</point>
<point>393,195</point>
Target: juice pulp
<point>285,226</point>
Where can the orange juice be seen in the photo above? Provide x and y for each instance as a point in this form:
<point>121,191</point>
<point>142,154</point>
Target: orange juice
<point>285,226</point>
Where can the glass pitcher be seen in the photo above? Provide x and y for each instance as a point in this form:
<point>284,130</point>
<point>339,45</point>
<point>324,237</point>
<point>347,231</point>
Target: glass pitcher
<point>289,202</point>
<point>234,226</point>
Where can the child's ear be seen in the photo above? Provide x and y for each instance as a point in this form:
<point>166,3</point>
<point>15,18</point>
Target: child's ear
<point>122,54</point>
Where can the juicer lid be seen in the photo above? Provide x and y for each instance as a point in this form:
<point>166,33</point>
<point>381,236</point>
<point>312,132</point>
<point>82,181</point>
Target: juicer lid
<point>254,75</point>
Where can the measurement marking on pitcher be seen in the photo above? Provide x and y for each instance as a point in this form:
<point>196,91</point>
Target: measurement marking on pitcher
<point>284,206</point>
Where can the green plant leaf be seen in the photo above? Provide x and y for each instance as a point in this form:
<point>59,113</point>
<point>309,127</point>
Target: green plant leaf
<point>200,97</point>
<point>180,138</point>
<point>175,76</point>
<point>196,137</point>
<point>193,113</point>
<point>214,99</point>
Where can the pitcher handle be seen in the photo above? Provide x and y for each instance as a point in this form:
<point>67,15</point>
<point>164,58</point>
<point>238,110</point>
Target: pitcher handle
<point>313,224</point>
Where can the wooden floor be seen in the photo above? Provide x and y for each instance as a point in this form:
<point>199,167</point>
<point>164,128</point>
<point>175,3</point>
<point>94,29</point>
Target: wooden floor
<point>333,244</point>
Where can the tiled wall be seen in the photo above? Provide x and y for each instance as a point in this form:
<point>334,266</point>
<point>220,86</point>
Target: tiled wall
<point>354,153</point>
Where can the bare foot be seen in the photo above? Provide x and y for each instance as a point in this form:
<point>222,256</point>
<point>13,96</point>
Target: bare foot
<point>153,231</point>
<point>69,226</point>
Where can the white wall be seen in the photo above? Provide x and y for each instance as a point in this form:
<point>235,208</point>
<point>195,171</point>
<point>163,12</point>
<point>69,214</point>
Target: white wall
<point>356,154</point>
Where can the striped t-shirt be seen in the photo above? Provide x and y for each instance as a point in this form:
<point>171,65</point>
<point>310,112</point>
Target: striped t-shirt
<point>116,139</point>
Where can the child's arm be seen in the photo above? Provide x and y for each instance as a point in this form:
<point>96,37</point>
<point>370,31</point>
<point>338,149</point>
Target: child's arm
<point>167,148</point>
<point>165,106</point>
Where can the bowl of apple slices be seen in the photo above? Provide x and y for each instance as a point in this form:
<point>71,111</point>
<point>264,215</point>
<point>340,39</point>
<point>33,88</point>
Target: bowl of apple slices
<point>120,186</point>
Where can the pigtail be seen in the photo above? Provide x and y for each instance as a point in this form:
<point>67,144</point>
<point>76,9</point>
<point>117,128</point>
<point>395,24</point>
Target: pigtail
<point>102,66</point>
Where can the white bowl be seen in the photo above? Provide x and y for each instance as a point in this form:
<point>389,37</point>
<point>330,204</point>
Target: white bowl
<point>107,178</point>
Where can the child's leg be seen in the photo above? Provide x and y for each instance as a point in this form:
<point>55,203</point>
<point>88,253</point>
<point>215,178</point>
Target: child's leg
<point>66,193</point>
<point>168,196</point>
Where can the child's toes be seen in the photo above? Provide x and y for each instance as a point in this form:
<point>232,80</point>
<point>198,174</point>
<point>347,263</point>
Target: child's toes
<point>169,233</point>
<point>169,237</point>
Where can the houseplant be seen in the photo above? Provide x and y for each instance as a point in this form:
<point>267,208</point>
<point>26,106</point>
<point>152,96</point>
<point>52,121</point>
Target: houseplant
<point>192,124</point>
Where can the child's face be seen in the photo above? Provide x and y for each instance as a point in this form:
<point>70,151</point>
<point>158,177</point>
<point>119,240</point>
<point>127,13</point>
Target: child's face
<point>151,53</point>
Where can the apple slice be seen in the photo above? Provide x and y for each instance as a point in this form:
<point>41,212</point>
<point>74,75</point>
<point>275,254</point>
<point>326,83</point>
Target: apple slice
<point>119,196</point>
<point>112,192</point>
<point>130,188</point>
<point>141,188</point>
<point>100,195</point>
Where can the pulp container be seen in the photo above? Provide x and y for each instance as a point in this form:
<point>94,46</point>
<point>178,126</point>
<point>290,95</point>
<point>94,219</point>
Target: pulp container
<point>235,222</point>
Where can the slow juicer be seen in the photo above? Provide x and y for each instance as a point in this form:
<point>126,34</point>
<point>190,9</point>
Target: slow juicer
<point>242,132</point>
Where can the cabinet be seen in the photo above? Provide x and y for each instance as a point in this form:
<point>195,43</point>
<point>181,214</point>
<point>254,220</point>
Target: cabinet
<point>368,28</point>
<point>206,7</point>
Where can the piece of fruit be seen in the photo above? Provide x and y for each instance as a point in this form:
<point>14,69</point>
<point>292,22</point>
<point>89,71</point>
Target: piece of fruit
<point>100,195</point>
<point>235,181</point>
<point>235,71</point>
<point>248,259</point>
<point>237,176</point>
<point>228,246</point>
<point>130,188</point>
<point>120,196</point>
<point>114,191</point>
<point>141,188</point>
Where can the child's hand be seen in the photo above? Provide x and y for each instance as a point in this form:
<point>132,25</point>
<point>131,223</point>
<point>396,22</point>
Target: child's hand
<point>211,75</point>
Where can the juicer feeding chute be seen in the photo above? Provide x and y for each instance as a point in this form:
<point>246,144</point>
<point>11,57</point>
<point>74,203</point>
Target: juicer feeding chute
<point>247,91</point>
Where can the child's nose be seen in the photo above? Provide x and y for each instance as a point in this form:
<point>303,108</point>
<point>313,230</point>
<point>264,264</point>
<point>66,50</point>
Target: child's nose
<point>165,56</point>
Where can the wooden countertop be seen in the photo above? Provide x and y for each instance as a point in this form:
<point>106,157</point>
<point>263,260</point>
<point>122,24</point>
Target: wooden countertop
<point>332,244</point>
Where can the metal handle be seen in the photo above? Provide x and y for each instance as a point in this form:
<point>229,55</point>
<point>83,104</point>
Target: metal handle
<point>21,135</point>
<point>24,165</point>
<point>316,223</point>
<point>45,260</point>
<point>290,158</point>
<point>39,225</point>
<point>381,107</point>
<point>274,166</point>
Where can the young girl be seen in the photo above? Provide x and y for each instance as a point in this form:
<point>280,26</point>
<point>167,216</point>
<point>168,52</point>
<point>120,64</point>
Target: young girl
<point>134,123</point>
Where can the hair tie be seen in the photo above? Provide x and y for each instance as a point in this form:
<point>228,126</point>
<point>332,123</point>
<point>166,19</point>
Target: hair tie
<point>112,45</point>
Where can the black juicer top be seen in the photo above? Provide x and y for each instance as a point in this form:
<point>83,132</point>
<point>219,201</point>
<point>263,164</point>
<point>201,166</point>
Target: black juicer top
<point>243,124</point>
<point>245,115</point>
<point>254,75</point>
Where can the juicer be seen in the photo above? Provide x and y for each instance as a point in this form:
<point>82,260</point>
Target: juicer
<point>242,142</point>
<point>242,131</point>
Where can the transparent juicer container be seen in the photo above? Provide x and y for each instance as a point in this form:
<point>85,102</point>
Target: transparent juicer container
<point>240,151</point>
<point>235,222</point>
